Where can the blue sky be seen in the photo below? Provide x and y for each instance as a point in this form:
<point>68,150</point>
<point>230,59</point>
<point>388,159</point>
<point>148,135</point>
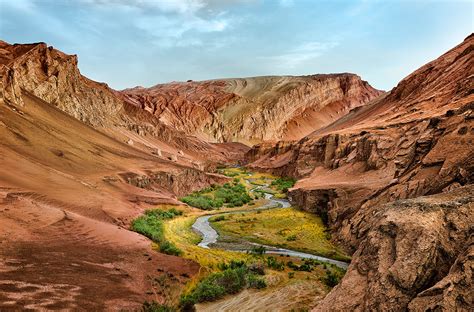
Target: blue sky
<point>145,42</point>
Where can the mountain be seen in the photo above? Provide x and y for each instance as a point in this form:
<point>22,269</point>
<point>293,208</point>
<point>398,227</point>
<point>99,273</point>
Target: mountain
<point>77,165</point>
<point>251,110</point>
<point>393,180</point>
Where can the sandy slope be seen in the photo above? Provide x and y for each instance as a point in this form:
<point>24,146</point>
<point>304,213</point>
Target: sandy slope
<point>64,213</point>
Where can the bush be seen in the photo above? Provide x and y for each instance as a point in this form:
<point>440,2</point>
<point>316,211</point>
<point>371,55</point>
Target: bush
<point>257,268</point>
<point>291,238</point>
<point>291,274</point>
<point>186,303</point>
<point>256,282</point>
<point>234,277</point>
<point>234,264</point>
<point>273,263</point>
<point>169,248</point>
<point>233,280</point>
<point>218,218</point>
<point>258,250</point>
<point>204,202</point>
<point>154,306</point>
<point>208,291</point>
<point>234,195</point>
<point>331,279</point>
<point>151,225</point>
<point>283,184</point>
<point>304,267</point>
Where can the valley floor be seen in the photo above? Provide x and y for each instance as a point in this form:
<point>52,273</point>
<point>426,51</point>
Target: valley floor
<point>292,286</point>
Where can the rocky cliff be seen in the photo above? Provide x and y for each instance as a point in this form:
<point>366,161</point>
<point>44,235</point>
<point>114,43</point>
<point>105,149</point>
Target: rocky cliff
<point>54,77</point>
<point>416,140</point>
<point>255,109</point>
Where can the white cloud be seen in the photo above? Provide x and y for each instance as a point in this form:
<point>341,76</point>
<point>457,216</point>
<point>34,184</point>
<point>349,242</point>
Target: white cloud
<point>168,23</point>
<point>168,6</point>
<point>301,54</point>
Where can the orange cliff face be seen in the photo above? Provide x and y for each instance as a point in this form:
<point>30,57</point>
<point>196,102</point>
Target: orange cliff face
<point>251,110</point>
<point>416,140</point>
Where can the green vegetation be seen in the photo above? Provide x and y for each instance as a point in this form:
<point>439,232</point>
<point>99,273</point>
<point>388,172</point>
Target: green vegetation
<point>232,172</point>
<point>333,273</point>
<point>154,306</point>
<point>218,218</point>
<point>258,250</point>
<point>230,194</point>
<point>282,227</point>
<point>283,184</point>
<point>151,225</point>
<point>332,278</point>
<point>233,278</point>
<point>273,263</point>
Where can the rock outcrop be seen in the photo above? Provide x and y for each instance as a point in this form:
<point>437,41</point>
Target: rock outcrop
<point>255,109</point>
<point>416,254</point>
<point>416,140</point>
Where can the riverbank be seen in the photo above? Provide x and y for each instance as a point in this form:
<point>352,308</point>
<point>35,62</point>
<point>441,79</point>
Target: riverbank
<point>199,241</point>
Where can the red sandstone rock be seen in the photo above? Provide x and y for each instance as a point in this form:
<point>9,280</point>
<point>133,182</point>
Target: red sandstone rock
<point>416,140</point>
<point>250,110</point>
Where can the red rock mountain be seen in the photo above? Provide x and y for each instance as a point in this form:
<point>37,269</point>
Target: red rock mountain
<point>252,110</point>
<point>77,163</point>
<point>416,140</point>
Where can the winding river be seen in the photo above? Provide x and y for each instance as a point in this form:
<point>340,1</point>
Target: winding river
<point>210,235</point>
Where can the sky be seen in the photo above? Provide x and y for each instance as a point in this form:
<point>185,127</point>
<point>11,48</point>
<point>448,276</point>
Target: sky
<point>128,43</point>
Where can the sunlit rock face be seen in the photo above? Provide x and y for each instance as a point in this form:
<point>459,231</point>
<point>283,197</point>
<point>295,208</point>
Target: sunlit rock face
<point>252,110</point>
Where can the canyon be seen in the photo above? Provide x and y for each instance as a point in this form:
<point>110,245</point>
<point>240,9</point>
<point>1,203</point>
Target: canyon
<point>393,179</point>
<point>389,172</point>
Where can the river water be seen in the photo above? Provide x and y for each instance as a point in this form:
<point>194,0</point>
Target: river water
<point>210,236</point>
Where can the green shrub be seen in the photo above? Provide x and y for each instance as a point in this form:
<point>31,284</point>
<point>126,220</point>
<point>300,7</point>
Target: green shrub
<point>291,238</point>
<point>169,248</point>
<point>256,282</point>
<point>234,264</point>
<point>258,250</point>
<point>233,280</point>
<point>154,306</point>
<point>274,264</point>
<point>186,303</point>
<point>291,274</point>
<point>234,277</point>
<point>283,184</point>
<point>331,279</point>
<point>207,290</point>
<point>304,267</point>
<point>233,195</point>
<point>151,225</point>
<point>218,218</point>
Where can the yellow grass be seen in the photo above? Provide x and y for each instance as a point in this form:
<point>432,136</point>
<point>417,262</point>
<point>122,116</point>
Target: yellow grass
<point>277,226</point>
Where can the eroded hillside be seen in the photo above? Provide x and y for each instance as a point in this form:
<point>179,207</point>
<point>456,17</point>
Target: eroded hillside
<point>252,110</point>
<point>416,140</point>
